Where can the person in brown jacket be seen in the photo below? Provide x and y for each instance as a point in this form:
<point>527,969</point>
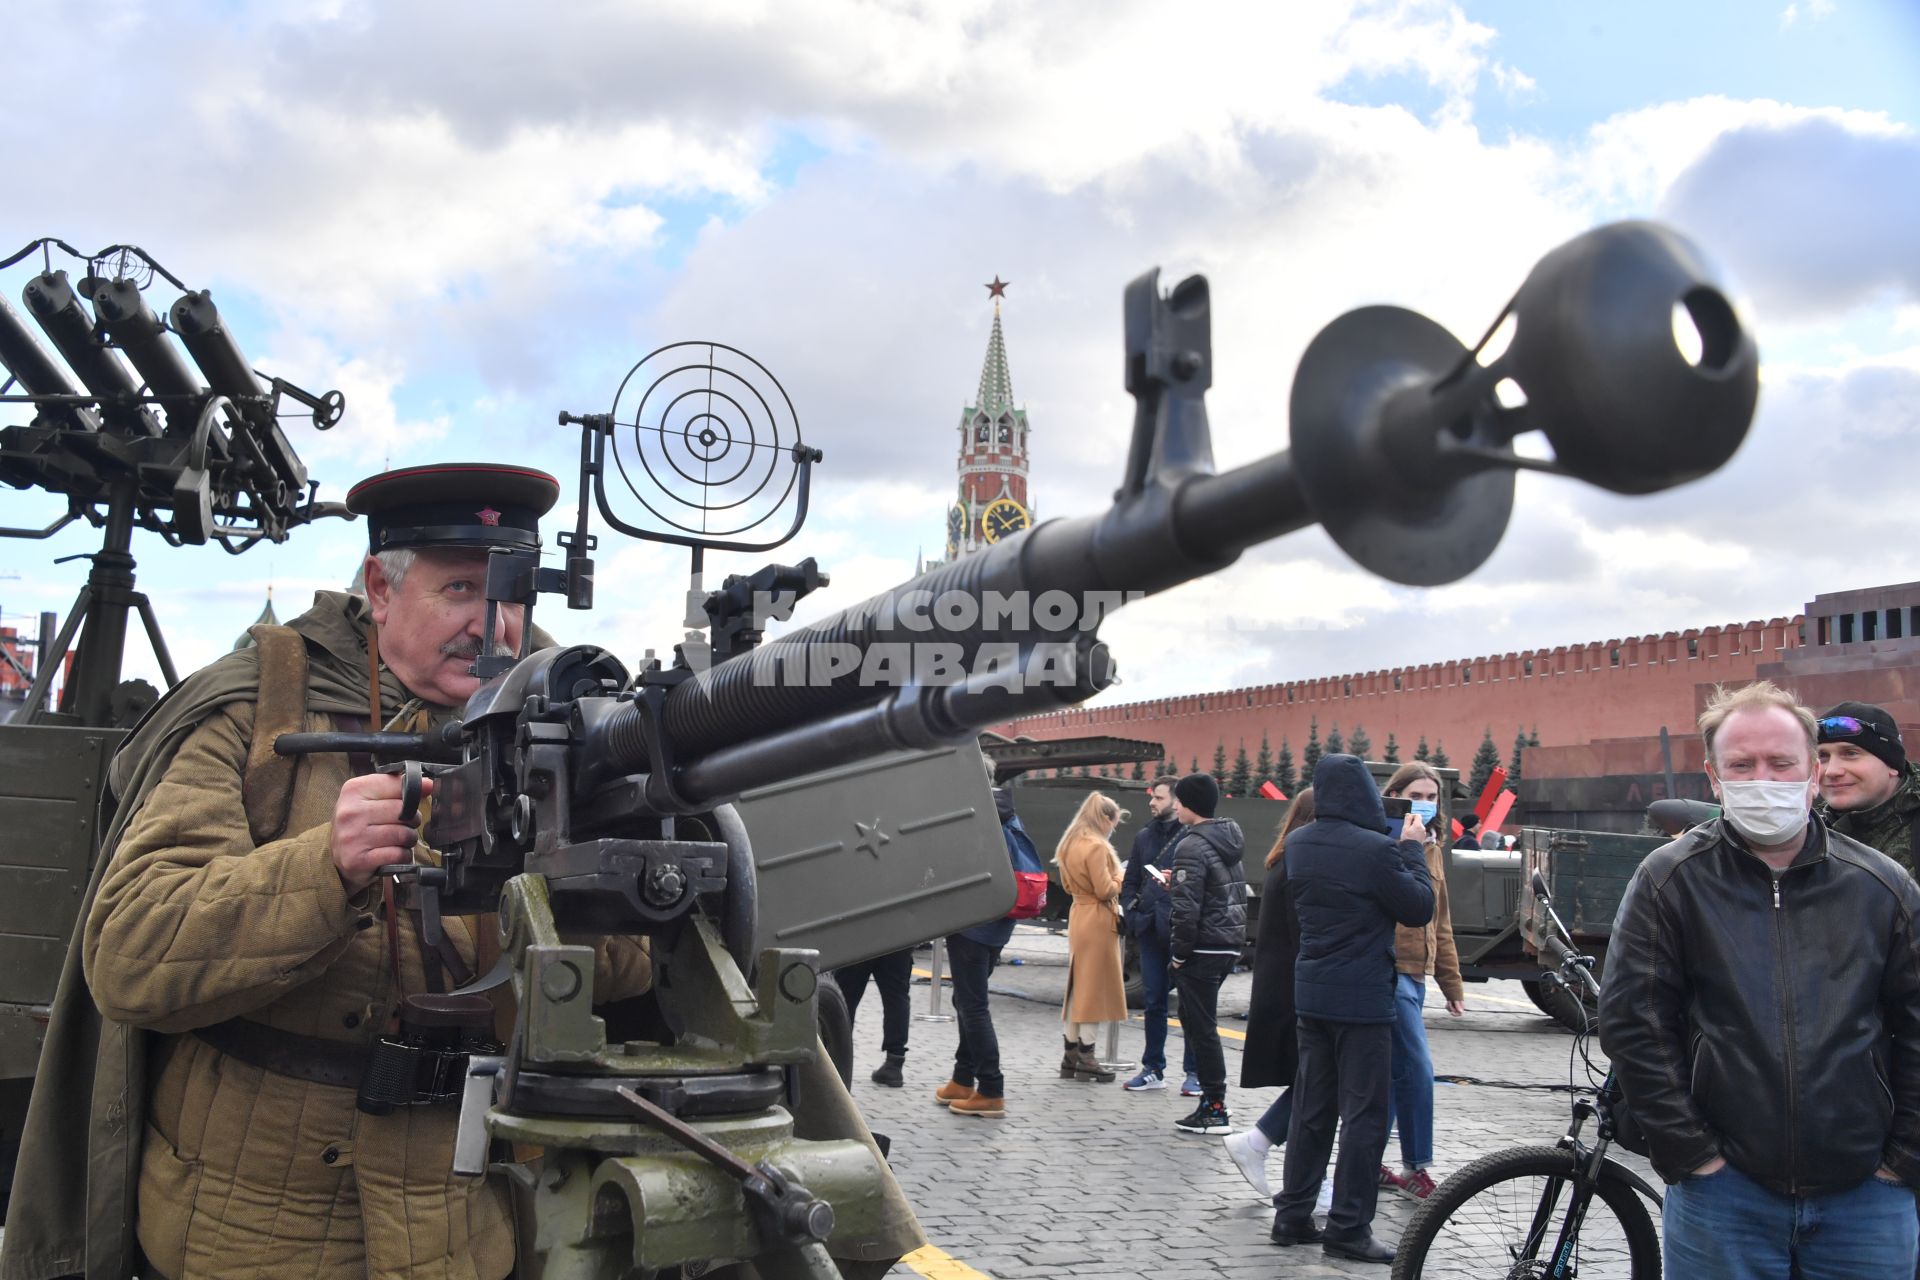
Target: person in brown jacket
<point>239,972</point>
<point>1419,954</point>
<point>1090,870</point>
<point>258,961</point>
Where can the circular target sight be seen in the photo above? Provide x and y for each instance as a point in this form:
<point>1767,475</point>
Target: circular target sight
<point>705,440</point>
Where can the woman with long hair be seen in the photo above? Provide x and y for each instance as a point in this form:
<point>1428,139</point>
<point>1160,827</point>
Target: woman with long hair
<point>1427,951</point>
<point>1091,871</point>
<point>1271,1055</point>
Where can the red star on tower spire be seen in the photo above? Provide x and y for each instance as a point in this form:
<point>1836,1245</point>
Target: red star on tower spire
<point>998,289</point>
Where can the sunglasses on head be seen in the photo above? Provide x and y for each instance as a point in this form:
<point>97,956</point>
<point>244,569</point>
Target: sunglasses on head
<point>1850,727</point>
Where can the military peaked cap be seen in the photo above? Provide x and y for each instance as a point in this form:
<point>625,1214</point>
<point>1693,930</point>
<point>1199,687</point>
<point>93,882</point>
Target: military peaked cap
<point>454,504</point>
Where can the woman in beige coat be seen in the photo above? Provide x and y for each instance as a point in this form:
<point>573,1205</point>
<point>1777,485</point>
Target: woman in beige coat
<point>1090,870</point>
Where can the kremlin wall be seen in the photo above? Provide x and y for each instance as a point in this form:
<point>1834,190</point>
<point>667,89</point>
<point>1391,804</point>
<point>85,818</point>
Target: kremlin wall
<point>1568,695</point>
<point>1597,708</point>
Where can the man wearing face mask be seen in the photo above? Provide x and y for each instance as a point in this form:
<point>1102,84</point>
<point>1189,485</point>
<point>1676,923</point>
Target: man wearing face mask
<point>1762,1011</point>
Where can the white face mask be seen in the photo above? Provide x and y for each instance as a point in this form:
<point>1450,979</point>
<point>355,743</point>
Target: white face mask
<point>1767,813</point>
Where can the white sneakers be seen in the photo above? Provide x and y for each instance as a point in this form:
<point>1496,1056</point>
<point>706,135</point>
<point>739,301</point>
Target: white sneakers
<point>1253,1167</point>
<point>1252,1164</point>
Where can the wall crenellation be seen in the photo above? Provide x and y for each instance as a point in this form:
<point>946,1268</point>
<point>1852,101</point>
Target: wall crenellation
<point>1618,686</point>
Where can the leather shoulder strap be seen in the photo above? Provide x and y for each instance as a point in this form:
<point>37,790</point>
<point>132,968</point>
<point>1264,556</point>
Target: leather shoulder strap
<point>267,786</point>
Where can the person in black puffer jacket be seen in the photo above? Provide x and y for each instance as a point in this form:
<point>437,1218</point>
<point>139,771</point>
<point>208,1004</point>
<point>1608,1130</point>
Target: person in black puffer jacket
<point>1209,890</point>
<point>1352,883</point>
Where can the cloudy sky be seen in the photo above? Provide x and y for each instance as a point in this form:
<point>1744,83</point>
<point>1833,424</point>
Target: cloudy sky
<point>468,219</point>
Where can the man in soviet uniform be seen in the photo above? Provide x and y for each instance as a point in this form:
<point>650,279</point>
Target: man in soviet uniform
<point>236,917</point>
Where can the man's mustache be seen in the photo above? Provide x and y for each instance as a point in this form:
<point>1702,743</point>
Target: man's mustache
<point>469,647</point>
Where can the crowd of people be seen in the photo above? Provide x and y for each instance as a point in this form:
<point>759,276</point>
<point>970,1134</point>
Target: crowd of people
<point>1353,924</point>
<point>1761,1004</point>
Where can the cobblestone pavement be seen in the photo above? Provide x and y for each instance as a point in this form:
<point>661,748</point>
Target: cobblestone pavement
<point>1090,1181</point>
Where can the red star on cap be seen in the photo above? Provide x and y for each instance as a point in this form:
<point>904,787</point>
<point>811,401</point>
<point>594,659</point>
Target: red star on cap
<point>488,515</point>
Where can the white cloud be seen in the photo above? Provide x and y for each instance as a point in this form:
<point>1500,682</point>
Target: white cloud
<point>1814,216</point>
<point>1814,12</point>
<point>372,431</point>
<point>1630,160</point>
<point>1512,81</point>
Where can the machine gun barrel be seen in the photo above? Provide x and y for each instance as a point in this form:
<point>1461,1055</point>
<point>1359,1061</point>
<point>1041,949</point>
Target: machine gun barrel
<point>212,345</point>
<point>197,321</point>
<point>1400,447</point>
<point>53,304</point>
<point>763,715</point>
<point>36,372</point>
<point>130,322</point>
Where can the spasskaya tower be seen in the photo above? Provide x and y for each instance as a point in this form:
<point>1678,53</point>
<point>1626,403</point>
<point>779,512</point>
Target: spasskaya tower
<point>992,502</point>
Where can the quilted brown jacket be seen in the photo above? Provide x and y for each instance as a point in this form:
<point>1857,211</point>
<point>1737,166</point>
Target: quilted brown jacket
<point>194,921</point>
<point>244,1172</point>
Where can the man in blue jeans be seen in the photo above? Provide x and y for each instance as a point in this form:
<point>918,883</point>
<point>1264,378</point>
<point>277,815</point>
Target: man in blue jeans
<point>1762,1011</point>
<point>1149,916</point>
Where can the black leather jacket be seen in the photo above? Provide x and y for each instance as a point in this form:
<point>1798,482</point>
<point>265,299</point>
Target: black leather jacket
<point>1773,1019</point>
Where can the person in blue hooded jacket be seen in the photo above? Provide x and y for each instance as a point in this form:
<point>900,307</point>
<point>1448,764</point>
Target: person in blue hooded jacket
<point>1353,879</point>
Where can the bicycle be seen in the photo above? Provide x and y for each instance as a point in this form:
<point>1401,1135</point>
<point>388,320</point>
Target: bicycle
<point>1543,1213</point>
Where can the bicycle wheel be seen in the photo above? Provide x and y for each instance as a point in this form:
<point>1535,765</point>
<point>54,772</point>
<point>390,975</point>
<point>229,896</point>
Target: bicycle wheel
<point>1477,1223</point>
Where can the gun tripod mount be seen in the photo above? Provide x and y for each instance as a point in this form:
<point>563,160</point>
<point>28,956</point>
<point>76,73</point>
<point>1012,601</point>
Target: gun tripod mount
<point>664,1156</point>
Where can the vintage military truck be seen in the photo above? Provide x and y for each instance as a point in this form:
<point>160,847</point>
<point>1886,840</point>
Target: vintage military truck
<point>1498,927</point>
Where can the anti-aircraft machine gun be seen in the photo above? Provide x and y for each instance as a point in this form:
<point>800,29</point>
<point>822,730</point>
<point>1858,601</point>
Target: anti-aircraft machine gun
<point>577,798</point>
<point>192,457</point>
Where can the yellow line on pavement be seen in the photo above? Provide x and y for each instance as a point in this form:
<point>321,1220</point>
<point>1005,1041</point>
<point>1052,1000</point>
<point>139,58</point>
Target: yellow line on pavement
<point>928,975</point>
<point>1225,1031</point>
<point>938,1264</point>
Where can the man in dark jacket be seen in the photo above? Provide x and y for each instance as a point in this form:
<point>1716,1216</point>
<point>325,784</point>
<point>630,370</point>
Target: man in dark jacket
<point>1208,887</point>
<point>1352,883</point>
<point>1868,788</point>
<point>1149,915</point>
<point>1762,1011</point>
<point>978,1087</point>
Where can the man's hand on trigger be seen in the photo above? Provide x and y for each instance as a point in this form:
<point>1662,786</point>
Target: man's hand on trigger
<point>367,831</point>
